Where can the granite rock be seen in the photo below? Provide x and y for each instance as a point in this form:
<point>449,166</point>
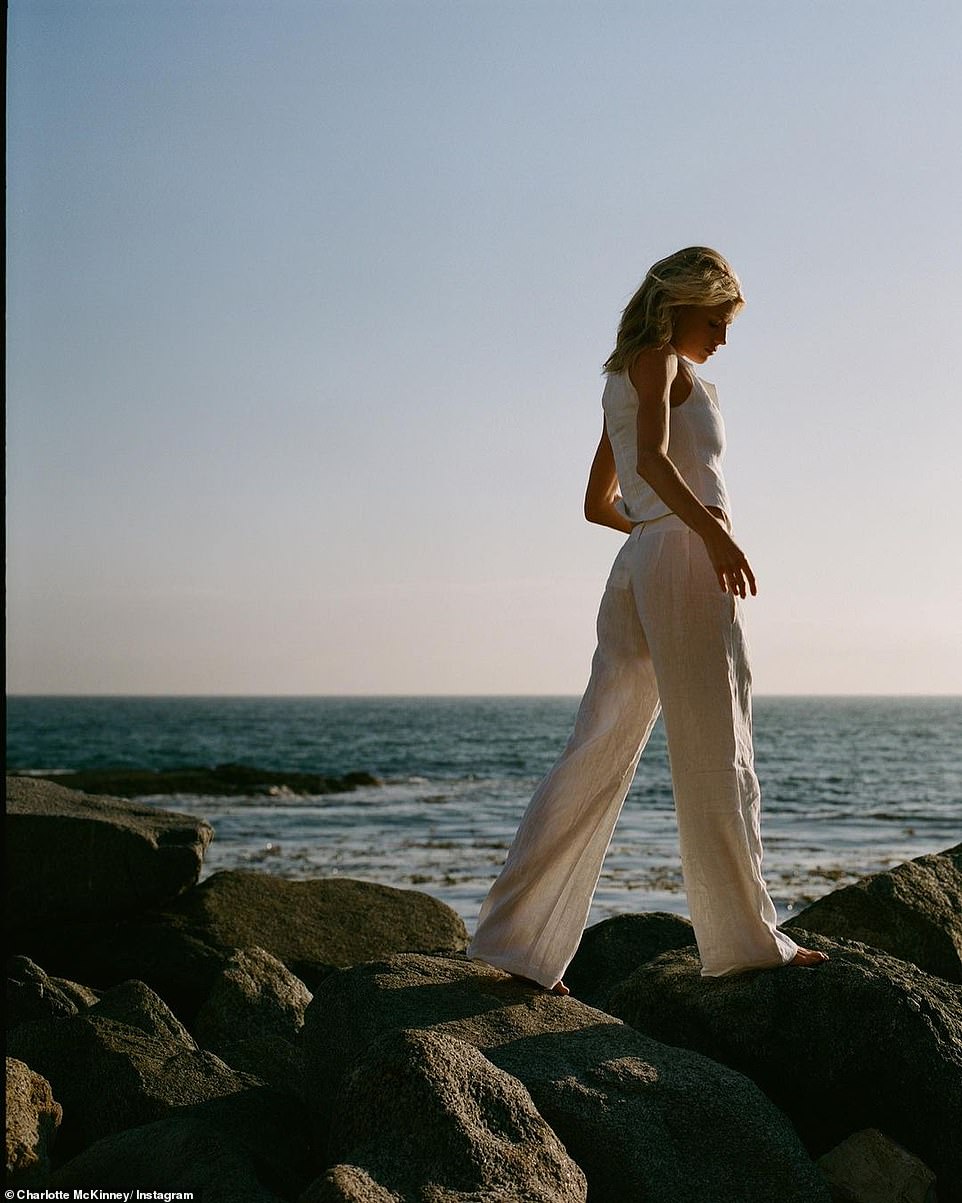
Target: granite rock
<point>913,912</point>
<point>862,1041</point>
<point>70,856</point>
<point>627,1109</point>
<point>254,995</point>
<point>33,1117</point>
<point>457,1129</point>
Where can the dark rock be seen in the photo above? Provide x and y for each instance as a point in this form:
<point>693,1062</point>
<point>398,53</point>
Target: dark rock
<point>863,1041</point>
<point>136,1005</point>
<point>71,857</point>
<point>221,781</point>
<point>33,1118</point>
<point>331,920</point>
<point>155,948</point>
<point>628,1110</point>
<point>913,912</point>
<point>870,1168</point>
<point>351,1184</point>
<point>611,950</point>
<point>33,994</point>
<point>255,995</point>
<point>278,1063</point>
<point>109,1076</point>
<point>250,1147</point>
<point>457,1127</point>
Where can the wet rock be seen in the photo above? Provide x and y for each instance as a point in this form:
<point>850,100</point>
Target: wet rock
<point>611,950</point>
<point>33,1118</point>
<point>870,1168</point>
<point>70,856</point>
<point>331,921</point>
<point>255,995</point>
<point>913,912</point>
<point>220,781</point>
<point>626,1108</point>
<point>109,1075</point>
<point>457,1128</point>
<point>862,1041</point>
<point>251,1147</point>
<point>33,994</point>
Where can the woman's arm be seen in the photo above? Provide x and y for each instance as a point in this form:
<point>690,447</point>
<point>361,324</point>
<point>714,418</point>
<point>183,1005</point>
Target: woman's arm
<point>602,491</point>
<point>652,374</point>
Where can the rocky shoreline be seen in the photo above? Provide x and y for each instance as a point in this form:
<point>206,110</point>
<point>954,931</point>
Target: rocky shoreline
<point>261,1038</point>
<point>220,781</point>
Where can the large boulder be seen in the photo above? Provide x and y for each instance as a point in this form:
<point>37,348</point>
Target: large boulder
<point>181,950</point>
<point>33,994</point>
<point>913,912</point>
<point>250,1146</point>
<point>613,949</point>
<point>33,1117</point>
<point>70,856</point>
<point>628,1109</point>
<point>316,924</point>
<point>255,995</point>
<point>113,1073</point>
<point>861,1041</point>
<point>457,1128</point>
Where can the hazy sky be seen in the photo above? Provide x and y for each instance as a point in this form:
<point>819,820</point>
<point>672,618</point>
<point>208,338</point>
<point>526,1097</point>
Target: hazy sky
<point>307,304</point>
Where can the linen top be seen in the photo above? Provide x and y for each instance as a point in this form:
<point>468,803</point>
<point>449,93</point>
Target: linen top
<point>696,445</point>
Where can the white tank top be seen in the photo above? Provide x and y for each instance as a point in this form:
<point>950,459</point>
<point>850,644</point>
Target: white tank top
<point>696,444</point>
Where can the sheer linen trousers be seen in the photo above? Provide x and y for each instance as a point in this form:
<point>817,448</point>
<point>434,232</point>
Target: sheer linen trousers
<point>669,640</point>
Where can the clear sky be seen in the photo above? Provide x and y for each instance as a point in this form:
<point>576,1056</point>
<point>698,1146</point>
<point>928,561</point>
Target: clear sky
<point>307,303</point>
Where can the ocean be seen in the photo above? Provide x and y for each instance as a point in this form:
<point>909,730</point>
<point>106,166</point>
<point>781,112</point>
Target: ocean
<point>849,785</point>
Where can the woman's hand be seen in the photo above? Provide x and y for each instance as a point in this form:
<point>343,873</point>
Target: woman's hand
<point>730,563</point>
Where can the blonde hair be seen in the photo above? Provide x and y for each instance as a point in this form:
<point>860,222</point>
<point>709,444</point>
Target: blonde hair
<point>696,275</point>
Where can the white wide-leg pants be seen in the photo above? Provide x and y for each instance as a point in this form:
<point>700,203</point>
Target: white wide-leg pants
<point>669,639</point>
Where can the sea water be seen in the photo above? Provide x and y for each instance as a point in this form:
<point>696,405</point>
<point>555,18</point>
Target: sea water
<point>849,785</point>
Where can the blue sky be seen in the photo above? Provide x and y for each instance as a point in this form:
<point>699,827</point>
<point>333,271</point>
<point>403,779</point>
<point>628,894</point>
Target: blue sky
<point>307,304</point>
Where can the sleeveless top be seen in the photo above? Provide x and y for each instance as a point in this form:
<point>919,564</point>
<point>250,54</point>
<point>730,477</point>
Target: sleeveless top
<point>696,444</point>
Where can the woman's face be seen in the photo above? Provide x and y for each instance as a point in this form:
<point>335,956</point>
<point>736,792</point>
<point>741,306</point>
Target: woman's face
<point>699,330</point>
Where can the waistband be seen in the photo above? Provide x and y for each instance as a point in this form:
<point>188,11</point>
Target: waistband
<point>666,522</point>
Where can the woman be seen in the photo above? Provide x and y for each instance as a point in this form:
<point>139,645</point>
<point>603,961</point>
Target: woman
<point>670,639</point>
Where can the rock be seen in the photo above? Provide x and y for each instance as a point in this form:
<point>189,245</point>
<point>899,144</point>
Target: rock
<point>32,994</point>
<point>913,912</point>
<point>864,1040</point>
<point>457,1128</point>
<point>222,781</point>
<point>250,1147</point>
<point>276,1062</point>
<point>136,1005</point>
<point>33,1118</point>
<point>255,995</point>
<point>611,950</point>
<point>70,856</point>
<point>626,1108</point>
<point>155,948</point>
<point>870,1168</point>
<point>327,921</point>
<point>348,1184</point>
<point>109,1075</point>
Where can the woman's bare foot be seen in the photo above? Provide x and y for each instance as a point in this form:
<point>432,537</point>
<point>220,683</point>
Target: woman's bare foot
<point>808,956</point>
<point>557,988</point>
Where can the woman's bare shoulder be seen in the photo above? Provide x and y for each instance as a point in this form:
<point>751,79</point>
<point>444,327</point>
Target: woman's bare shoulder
<point>653,368</point>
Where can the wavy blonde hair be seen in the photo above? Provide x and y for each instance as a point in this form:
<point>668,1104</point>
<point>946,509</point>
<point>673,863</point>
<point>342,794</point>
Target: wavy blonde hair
<point>696,275</point>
